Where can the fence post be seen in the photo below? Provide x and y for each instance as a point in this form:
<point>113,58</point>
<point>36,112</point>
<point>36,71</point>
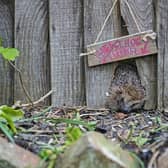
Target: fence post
<point>66,44</point>
<point>162,28</point>
<point>31,38</point>
<point>6,33</point>
<point>147,67</point>
<point>98,78</point>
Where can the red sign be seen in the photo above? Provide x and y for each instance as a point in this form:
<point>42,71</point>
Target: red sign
<point>121,49</point>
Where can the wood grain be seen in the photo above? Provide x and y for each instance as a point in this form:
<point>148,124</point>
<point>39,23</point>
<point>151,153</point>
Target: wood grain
<point>98,79</point>
<point>144,13</point>
<point>31,38</point>
<point>7,35</point>
<point>66,42</point>
<point>162,27</point>
<point>123,48</point>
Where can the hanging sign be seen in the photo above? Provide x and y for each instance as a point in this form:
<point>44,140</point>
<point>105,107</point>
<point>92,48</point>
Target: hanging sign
<point>126,47</point>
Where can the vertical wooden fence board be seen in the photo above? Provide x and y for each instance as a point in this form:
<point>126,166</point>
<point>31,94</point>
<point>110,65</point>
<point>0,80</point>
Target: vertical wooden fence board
<point>98,78</point>
<point>144,13</point>
<point>162,26</point>
<point>6,33</point>
<point>66,42</point>
<point>31,38</point>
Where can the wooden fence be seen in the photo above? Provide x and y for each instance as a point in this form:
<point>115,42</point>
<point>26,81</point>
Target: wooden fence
<point>51,34</point>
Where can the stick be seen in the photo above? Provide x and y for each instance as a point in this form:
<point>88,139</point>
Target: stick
<point>38,101</point>
<point>21,82</point>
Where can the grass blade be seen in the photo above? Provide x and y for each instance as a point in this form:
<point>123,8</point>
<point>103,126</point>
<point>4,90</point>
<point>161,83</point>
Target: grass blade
<point>5,130</point>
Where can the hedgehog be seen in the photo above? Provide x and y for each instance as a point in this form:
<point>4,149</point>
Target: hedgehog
<point>126,93</point>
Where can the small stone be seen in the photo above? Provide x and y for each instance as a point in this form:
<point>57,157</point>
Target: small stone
<point>93,150</point>
<point>162,160</point>
<point>13,156</point>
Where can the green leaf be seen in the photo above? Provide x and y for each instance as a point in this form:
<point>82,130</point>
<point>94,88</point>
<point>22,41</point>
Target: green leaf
<point>9,53</point>
<point>140,141</point>
<point>9,111</point>
<point>9,121</point>
<point>73,134</point>
<point>137,159</point>
<point>90,126</point>
<point>6,131</point>
<point>10,115</point>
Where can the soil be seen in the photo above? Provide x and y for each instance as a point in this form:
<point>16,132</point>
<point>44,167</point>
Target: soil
<point>143,132</point>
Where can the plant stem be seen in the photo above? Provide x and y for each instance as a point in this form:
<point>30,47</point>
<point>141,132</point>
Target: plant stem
<point>22,83</point>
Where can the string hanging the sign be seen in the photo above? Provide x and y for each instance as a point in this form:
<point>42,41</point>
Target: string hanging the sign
<point>139,44</point>
<point>102,28</point>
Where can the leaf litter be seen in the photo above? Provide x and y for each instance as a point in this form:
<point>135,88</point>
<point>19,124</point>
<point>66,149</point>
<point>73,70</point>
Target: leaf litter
<point>144,133</point>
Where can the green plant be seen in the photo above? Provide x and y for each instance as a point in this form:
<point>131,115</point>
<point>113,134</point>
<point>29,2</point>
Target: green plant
<point>7,114</point>
<point>139,140</point>
<point>9,53</point>
<point>7,117</point>
<point>89,125</point>
<point>50,153</point>
<point>141,164</point>
<point>72,135</point>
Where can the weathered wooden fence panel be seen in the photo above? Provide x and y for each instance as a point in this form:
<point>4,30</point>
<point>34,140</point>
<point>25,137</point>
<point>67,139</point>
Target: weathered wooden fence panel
<point>72,25</point>
<point>163,55</point>
<point>98,79</point>
<point>144,14</point>
<point>7,35</point>
<point>66,41</point>
<point>31,38</point>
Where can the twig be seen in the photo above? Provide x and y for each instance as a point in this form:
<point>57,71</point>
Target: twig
<point>40,131</point>
<point>22,83</point>
<point>92,114</point>
<point>36,116</point>
<point>153,159</point>
<point>32,119</point>
<point>101,109</point>
<point>38,101</point>
<point>154,146</point>
<point>77,108</point>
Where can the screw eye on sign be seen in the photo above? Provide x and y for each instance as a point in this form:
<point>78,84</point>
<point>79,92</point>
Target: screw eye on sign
<point>126,47</point>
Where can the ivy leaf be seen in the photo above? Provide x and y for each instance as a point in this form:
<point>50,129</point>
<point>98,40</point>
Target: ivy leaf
<point>9,54</point>
<point>9,111</point>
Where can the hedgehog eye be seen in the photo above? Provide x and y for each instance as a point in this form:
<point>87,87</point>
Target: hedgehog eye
<point>119,92</point>
<point>121,101</point>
